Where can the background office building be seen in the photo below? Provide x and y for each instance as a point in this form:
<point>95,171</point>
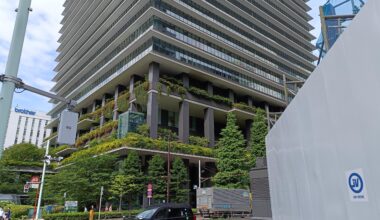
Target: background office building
<point>26,126</point>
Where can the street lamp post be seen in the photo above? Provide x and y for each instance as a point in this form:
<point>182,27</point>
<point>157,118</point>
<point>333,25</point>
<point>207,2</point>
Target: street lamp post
<point>169,176</point>
<point>47,160</point>
<point>11,68</point>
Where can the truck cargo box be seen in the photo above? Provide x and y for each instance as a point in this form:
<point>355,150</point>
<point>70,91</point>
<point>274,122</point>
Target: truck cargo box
<point>217,200</point>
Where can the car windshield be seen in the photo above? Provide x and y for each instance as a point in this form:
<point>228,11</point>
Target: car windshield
<point>146,214</point>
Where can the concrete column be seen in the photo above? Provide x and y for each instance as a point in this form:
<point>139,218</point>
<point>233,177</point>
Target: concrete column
<point>132,106</point>
<point>209,126</point>
<point>210,88</point>
<point>115,113</point>
<point>199,174</point>
<point>94,104</point>
<point>185,80</point>
<point>118,90</point>
<point>102,116</point>
<point>93,108</point>
<point>268,116</point>
<point>250,101</point>
<point>152,105</point>
<point>104,99</point>
<point>183,122</point>
<point>231,95</point>
<point>83,111</point>
<point>154,75</point>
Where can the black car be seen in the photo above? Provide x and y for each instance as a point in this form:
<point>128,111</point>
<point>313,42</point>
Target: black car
<point>167,211</point>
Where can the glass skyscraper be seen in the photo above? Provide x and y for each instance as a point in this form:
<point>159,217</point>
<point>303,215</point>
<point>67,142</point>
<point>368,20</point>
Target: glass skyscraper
<point>199,60</point>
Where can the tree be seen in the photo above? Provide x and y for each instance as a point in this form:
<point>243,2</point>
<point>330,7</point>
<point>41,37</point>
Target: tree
<point>124,185</point>
<point>132,164</point>
<point>118,187</point>
<point>81,180</point>
<point>12,182</point>
<point>231,159</point>
<point>259,130</point>
<point>179,182</point>
<point>23,154</point>
<point>156,176</point>
<point>134,178</point>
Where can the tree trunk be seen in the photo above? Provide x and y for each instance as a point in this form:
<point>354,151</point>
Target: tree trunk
<point>129,204</point>
<point>121,196</point>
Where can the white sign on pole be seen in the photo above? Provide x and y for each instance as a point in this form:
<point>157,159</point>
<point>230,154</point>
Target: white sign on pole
<point>26,188</point>
<point>67,129</point>
<point>356,187</point>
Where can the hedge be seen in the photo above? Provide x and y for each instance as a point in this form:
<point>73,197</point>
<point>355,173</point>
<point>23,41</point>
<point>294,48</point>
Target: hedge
<point>244,107</point>
<point>139,141</point>
<point>204,94</point>
<point>85,215</point>
<point>18,211</point>
<point>123,102</point>
<point>22,163</point>
<point>171,87</point>
<point>199,141</point>
<point>55,150</point>
<point>100,131</point>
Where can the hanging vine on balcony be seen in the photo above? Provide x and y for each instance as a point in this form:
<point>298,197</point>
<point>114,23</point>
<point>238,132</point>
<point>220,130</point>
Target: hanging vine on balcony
<point>172,86</point>
<point>123,102</point>
<point>141,93</point>
<point>108,109</point>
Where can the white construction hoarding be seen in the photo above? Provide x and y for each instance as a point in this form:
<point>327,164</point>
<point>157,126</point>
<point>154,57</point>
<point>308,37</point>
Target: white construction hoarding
<point>324,152</point>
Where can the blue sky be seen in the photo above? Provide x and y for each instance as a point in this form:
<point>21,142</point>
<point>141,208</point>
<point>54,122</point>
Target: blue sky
<point>39,51</point>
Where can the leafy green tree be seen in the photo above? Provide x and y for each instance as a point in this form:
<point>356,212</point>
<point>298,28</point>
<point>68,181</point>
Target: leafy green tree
<point>134,177</point>
<point>132,164</point>
<point>231,158</point>
<point>259,130</point>
<point>81,180</point>
<point>179,182</point>
<point>22,154</point>
<point>156,176</point>
<point>12,181</point>
<point>124,185</point>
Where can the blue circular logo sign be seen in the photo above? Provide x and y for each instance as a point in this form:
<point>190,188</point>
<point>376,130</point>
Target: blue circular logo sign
<point>355,182</point>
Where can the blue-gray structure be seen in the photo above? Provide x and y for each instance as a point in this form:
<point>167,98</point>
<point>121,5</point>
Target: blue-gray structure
<point>341,9</point>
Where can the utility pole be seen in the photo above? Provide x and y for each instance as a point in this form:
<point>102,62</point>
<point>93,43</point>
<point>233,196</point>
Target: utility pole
<point>169,176</point>
<point>41,188</point>
<point>199,174</point>
<point>11,68</point>
<point>47,161</point>
<point>100,201</point>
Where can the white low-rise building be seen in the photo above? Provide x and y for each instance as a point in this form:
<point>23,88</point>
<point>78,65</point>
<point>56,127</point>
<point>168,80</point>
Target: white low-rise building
<point>26,126</point>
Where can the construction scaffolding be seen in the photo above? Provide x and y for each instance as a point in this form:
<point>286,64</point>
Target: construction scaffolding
<point>335,16</point>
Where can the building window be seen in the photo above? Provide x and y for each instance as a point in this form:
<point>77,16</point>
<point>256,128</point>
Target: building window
<point>31,130</point>
<point>25,127</point>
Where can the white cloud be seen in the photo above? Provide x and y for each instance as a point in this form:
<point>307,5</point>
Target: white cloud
<point>39,50</point>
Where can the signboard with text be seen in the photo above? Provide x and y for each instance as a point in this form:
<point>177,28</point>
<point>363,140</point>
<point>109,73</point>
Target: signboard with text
<point>34,182</point>
<point>150,191</point>
<point>71,206</point>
